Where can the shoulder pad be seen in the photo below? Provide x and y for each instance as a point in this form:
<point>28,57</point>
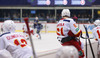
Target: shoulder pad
<point>4,33</point>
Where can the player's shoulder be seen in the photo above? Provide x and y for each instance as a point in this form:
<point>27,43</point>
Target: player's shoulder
<point>4,34</point>
<point>98,27</point>
<point>68,20</point>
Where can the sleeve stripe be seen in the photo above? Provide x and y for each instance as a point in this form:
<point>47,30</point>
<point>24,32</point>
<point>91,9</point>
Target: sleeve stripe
<point>67,20</point>
<point>4,33</point>
<point>78,34</point>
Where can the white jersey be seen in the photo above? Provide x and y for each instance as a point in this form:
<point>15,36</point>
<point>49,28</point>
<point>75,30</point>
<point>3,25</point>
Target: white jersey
<point>5,54</point>
<point>15,44</point>
<point>66,27</point>
<point>96,33</point>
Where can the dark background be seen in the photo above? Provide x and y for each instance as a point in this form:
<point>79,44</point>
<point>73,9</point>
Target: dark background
<point>34,3</point>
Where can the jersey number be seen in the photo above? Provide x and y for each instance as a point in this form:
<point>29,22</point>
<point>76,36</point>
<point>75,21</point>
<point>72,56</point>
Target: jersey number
<point>98,33</point>
<point>60,31</point>
<point>22,44</point>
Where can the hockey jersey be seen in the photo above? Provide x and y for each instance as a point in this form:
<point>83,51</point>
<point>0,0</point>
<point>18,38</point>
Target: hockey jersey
<point>96,33</point>
<point>67,27</point>
<point>16,44</point>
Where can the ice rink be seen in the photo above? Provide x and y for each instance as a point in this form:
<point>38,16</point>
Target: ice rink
<point>47,46</point>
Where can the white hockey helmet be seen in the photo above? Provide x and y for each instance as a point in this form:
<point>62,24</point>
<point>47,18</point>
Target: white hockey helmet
<point>97,22</point>
<point>65,12</point>
<point>9,26</point>
<point>67,52</point>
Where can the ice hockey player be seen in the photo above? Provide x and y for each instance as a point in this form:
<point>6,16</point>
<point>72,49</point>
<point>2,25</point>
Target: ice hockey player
<point>96,34</point>
<point>14,42</point>
<point>39,27</point>
<point>36,20</point>
<point>26,32</point>
<point>68,32</point>
<point>67,52</point>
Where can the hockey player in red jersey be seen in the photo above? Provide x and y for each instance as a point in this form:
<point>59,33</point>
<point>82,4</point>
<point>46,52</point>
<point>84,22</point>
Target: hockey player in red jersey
<point>68,32</point>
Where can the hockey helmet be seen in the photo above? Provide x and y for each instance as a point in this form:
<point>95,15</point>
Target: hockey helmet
<point>67,52</point>
<point>65,12</point>
<point>97,22</point>
<point>9,26</point>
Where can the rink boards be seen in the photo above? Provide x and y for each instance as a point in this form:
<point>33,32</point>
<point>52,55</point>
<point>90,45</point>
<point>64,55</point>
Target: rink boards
<point>51,27</point>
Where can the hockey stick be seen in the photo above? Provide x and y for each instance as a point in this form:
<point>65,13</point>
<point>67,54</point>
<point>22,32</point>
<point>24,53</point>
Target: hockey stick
<point>28,29</point>
<point>85,43</point>
<point>86,48</point>
<point>89,41</point>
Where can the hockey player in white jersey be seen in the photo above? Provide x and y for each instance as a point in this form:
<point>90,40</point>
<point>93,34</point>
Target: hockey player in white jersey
<point>68,32</point>
<point>67,52</point>
<point>96,33</point>
<point>14,42</point>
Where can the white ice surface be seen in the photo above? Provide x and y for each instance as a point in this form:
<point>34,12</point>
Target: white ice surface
<point>50,44</point>
<point>47,42</point>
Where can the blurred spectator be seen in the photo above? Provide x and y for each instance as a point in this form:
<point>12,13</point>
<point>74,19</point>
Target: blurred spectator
<point>45,14</point>
<point>79,16</point>
<point>14,15</point>
<point>90,18</point>
<point>48,18</point>
<point>75,18</point>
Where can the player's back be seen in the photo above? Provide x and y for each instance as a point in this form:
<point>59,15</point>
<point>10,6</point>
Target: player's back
<point>63,27</point>
<point>96,33</point>
<point>67,28</point>
<point>16,44</point>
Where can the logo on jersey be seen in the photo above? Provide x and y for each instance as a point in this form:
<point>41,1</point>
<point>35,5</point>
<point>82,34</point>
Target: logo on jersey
<point>76,29</point>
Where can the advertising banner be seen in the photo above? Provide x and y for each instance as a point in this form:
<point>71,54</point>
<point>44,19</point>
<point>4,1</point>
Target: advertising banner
<point>46,2</point>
